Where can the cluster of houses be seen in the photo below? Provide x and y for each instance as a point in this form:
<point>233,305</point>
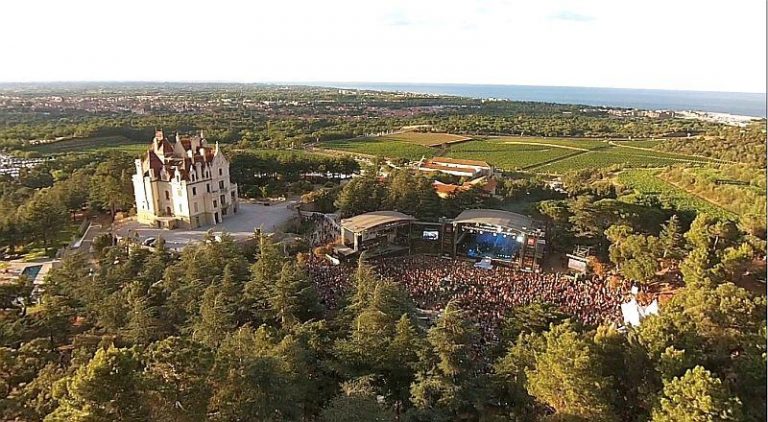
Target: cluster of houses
<point>10,165</point>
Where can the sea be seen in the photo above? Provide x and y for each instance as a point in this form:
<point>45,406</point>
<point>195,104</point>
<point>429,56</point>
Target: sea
<point>736,103</point>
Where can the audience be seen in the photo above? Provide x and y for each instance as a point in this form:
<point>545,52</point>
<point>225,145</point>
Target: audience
<point>485,295</point>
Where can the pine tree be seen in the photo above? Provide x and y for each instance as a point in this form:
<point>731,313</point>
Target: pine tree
<point>143,321</point>
<point>568,377</point>
<point>357,403</point>
<point>107,388</point>
<point>448,389</point>
<point>264,274</point>
<point>671,239</point>
<point>176,379</point>
<point>294,298</point>
<point>216,319</point>
<point>697,396</point>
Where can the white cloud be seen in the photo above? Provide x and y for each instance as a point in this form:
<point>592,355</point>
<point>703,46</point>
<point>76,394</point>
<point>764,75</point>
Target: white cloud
<point>682,44</point>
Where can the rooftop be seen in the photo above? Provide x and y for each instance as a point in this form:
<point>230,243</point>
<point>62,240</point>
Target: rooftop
<point>495,218</point>
<point>447,160</point>
<point>374,219</point>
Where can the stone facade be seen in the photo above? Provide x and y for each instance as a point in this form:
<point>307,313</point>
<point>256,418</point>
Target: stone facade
<point>183,183</point>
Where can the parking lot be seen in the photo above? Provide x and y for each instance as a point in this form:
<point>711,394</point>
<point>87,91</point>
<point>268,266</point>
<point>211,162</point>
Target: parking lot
<point>249,217</point>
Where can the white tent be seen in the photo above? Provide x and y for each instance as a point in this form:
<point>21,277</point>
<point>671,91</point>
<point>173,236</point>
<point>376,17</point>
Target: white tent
<point>634,313</point>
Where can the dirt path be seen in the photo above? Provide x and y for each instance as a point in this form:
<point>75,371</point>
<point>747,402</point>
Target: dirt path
<point>547,145</point>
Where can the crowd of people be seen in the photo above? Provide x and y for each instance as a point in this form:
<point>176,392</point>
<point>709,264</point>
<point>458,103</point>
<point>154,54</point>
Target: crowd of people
<point>486,295</point>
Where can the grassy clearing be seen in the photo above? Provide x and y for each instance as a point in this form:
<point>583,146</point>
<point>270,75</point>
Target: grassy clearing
<point>381,147</point>
<point>508,156</point>
<point>647,182</point>
<point>92,144</point>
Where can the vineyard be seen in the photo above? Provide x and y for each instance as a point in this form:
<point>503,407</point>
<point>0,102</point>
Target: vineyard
<point>430,139</point>
<point>738,189</point>
<point>541,155</point>
<point>613,156</point>
<point>508,156</point>
<point>647,182</point>
<point>572,143</point>
<point>381,147</point>
<point>649,144</point>
<point>92,144</point>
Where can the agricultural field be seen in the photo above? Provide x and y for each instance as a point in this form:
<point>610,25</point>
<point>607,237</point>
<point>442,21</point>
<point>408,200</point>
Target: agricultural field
<point>538,154</point>
<point>430,139</point>
<point>611,156</point>
<point>381,147</point>
<point>508,156</point>
<point>92,144</point>
<point>736,188</point>
<point>573,143</point>
<point>647,182</point>
<point>648,144</point>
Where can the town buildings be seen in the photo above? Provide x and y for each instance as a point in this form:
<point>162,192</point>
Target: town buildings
<point>183,183</point>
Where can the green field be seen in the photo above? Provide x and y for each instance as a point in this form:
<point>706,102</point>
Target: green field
<point>423,138</point>
<point>649,144</point>
<point>576,143</point>
<point>381,147</point>
<point>92,144</point>
<point>646,182</point>
<point>612,156</point>
<point>508,156</point>
<point>537,154</point>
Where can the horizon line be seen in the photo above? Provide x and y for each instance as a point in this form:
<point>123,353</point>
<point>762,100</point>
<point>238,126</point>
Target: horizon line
<point>325,84</point>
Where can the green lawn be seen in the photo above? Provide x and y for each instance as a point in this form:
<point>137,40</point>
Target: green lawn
<point>92,144</point>
<point>382,147</point>
<point>646,182</point>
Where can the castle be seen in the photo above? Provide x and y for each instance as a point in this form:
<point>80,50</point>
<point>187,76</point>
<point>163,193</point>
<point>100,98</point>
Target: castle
<point>183,184</point>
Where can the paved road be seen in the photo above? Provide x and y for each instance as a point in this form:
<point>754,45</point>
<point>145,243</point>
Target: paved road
<point>249,217</point>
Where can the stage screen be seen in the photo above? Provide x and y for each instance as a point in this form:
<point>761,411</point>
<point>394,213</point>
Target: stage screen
<point>430,235</point>
<point>493,245</point>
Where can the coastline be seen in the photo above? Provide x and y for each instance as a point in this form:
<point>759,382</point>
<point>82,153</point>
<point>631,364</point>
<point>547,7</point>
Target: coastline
<point>731,103</point>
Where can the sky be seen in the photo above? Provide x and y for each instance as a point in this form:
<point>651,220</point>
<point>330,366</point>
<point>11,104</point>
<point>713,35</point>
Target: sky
<point>660,44</point>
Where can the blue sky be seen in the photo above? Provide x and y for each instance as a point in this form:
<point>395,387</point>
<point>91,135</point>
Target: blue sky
<point>672,44</point>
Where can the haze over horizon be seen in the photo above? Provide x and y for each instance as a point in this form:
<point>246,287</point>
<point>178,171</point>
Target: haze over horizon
<point>684,45</point>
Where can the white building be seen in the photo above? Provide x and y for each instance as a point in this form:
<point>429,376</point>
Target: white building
<point>183,183</point>
<point>456,167</point>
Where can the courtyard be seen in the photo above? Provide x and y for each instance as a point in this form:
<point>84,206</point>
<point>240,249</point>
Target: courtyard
<point>250,216</point>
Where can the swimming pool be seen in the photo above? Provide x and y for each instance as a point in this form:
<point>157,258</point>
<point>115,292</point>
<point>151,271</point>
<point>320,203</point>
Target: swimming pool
<point>31,271</point>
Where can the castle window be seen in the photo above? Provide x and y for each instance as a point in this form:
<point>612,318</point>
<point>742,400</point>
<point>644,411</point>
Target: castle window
<point>194,205</point>
<point>221,172</point>
<point>221,184</point>
<point>167,195</point>
<point>194,191</point>
<point>223,200</point>
<point>215,204</point>
<point>208,187</point>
